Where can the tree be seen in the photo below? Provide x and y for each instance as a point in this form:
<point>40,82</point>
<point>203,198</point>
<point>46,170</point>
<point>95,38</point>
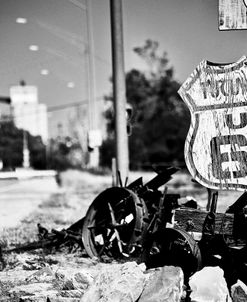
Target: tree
<point>65,152</point>
<point>11,147</point>
<point>161,119</point>
<point>37,152</point>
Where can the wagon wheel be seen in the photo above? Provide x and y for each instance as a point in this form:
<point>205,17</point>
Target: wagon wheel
<point>114,224</point>
<point>174,247</point>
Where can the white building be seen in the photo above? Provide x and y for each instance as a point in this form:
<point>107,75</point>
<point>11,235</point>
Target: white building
<point>28,114</point>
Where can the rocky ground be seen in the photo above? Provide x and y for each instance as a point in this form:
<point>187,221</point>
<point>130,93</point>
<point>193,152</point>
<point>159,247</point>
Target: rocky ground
<point>65,275</point>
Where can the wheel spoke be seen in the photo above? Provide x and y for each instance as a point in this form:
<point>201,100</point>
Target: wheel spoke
<point>119,242</point>
<point>110,223</point>
<point>106,242</point>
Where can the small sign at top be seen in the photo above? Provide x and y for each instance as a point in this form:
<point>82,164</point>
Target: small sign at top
<point>232,14</point>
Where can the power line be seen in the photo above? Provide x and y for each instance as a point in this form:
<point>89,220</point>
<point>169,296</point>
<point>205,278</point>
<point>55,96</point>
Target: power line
<point>70,37</point>
<point>76,104</point>
<point>51,109</point>
<point>78,4</point>
<point>67,36</point>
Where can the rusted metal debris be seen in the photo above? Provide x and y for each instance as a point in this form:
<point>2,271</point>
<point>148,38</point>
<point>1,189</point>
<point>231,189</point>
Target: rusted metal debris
<point>136,222</point>
<point>49,240</point>
<point>131,222</point>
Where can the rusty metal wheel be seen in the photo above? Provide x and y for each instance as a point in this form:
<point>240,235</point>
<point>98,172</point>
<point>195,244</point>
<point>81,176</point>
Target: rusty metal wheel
<point>114,225</point>
<point>175,247</point>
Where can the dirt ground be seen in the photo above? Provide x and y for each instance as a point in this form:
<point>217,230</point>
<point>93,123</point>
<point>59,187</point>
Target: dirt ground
<point>59,209</point>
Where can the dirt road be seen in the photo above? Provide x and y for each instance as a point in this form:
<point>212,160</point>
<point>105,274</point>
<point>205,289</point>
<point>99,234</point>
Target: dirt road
<point>18,198</point>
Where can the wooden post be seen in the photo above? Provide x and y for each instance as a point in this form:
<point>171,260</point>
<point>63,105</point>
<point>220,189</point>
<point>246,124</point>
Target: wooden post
<point>119,90</point>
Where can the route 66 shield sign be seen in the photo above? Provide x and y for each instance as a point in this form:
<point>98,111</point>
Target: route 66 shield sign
<point>216,144</point>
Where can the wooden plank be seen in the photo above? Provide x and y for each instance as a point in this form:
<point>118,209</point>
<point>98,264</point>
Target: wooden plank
<point>232,14</point>
<point>223,222</point>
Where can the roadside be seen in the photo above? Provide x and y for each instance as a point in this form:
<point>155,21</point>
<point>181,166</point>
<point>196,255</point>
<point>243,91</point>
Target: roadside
<point>56,209</point>
<point>18,198</point>
<point>59,207</point>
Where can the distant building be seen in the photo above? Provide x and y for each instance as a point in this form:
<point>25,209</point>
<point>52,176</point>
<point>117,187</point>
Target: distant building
<point>27,113</point>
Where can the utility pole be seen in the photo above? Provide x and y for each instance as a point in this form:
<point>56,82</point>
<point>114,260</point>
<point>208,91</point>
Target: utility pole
<point>119,90</point>
<point>92,108</point>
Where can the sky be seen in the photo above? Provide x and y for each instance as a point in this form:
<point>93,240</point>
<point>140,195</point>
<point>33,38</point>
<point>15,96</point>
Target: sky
<point>186,29</point>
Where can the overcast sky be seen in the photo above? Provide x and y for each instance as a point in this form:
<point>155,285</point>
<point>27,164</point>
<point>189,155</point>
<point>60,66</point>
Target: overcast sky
<point>186,29</point>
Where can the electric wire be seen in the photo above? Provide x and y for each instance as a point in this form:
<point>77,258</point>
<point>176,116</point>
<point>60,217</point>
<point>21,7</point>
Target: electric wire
<point>50,109</point>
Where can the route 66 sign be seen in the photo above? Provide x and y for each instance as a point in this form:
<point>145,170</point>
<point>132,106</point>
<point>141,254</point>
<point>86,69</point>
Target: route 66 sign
<point>216,144</point>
